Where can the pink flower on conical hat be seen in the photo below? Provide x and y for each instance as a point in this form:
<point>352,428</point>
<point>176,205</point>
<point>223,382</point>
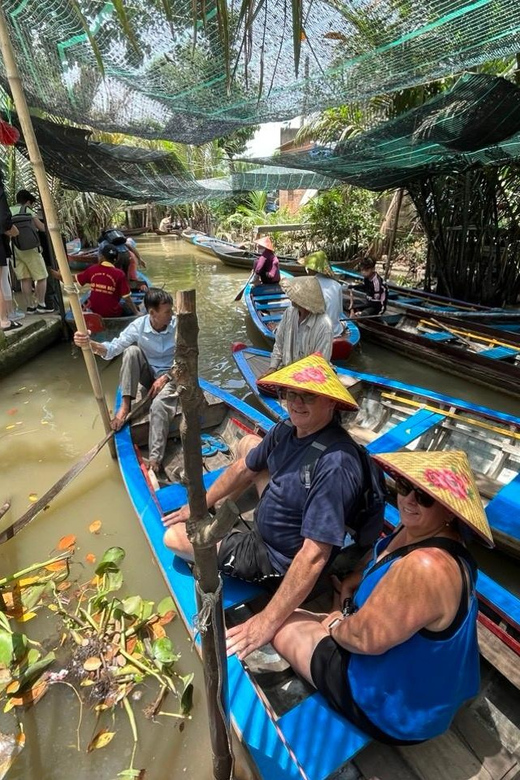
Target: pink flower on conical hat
<point>447,479</point>
<point>310,374</point>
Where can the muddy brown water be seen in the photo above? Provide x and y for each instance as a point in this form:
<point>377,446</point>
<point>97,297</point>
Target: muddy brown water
<point>48,419</point>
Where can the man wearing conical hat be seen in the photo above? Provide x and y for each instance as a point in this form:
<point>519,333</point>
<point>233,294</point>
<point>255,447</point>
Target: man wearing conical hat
<point>312,480</point>
<point>316,264</point>
<point>402,656</point>
<point>304,327</point>
<point>267,265</point>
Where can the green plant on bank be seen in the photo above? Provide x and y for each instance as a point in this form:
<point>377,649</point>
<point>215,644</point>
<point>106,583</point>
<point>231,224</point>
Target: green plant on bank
<point>242,224</point>
<point>108,646</point>
<point>344,217</point>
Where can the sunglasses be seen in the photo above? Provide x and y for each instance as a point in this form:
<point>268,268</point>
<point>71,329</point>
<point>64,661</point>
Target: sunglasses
<point>404,488</point>
<point>291,395</point>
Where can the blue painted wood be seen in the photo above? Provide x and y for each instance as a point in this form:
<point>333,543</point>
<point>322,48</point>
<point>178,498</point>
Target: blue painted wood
<point>405,432</point>
<point>270,305</point>
<point>499,353</point>
<point>503,511</point>
<point>271,318</point>
<point>440,336</point>
<point>174,496</point>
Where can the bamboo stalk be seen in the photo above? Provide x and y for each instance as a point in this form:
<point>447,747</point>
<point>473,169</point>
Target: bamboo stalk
<point>24,116</point>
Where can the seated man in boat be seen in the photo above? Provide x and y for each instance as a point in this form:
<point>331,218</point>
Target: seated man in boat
<point>316,264</point>
<point>165,225</point>
<point>402,656</point>
<point>304,327</point>
<point>267,266</point>
<point>314,483</point>
<point>374,288</point>
<point>148,347</point>
<point>108,286</point>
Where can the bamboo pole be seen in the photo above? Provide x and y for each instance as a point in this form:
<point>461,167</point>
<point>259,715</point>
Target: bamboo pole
<point>203,532</point>
<point>24,116</point>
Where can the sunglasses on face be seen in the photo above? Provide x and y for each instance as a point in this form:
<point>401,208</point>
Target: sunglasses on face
<point>404,488</point>
<point>291,395</point>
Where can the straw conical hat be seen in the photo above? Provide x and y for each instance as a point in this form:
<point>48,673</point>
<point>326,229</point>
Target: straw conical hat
<point>312,374</point>
<point>265,242</point>
<point>304,291</point>
<point>317,261</point>
<point>447,477</point>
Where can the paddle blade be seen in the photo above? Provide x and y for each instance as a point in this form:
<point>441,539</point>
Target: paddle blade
<point>341,349</point>
<point>240,294</point>
<point>238,346</point>
<point>94,322</point>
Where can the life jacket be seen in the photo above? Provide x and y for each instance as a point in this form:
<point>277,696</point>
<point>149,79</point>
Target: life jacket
<point>27,237</point>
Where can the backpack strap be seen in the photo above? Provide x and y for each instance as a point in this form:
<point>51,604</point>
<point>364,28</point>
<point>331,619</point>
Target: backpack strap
<point>454,548</point>
<point>325,439</point>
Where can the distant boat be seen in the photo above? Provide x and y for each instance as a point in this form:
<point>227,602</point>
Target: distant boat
<point>266,304</point>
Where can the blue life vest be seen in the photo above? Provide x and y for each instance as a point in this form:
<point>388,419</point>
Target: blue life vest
<point>413,690</point>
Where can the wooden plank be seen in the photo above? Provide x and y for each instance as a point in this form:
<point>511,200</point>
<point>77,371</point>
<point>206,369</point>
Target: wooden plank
<point>382,762</point>
<point>500,656</point>
<point>443,758</point>
<point>485,744</point>
<point>283,228</point>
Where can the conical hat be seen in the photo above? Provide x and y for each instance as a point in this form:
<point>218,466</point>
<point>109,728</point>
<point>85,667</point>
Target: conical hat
<point>447,477</point>
<point>265,242</point>
<point>304,291</point>
<point>317,261</point>
<point>312,374</point>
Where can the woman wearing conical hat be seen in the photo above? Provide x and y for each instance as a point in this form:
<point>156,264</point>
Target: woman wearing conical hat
<point>304,327</point>
<point>316,264</point>
<point>267,265</point>
<point>402,656</point>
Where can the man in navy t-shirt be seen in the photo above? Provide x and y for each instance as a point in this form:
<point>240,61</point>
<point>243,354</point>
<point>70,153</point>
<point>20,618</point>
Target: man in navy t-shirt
<point>298,527</point>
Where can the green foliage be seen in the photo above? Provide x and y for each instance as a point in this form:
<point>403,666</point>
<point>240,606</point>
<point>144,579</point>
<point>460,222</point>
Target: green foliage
<point>243,222</point>
<point>339,215</point>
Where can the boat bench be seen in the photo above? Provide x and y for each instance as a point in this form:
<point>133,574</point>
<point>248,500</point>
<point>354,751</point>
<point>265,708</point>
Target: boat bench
<point>281,304</point>
<point>503,511</point>
<point>440,336</point>
<point>499,353</point>
<point>272,318</point>
<point>173,497</point>
<point>407,431</point>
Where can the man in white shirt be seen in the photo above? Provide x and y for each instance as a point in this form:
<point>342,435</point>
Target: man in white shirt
<point>148,348</point>
<point>304,327</point>
<point>318,265</point>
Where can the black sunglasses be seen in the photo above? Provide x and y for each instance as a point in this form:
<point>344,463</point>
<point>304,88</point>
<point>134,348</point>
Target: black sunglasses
<point>291,395</point>
<point>404,488</point>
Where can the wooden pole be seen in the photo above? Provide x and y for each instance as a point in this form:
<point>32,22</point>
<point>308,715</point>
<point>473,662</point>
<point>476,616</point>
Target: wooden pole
<point>49,208</point>
<point>397,210</point>
<point>203,532</point>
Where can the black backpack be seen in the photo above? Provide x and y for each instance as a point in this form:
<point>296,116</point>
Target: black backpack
<point>27,237</point>
<point>113,236</point>
<point>371,508</point>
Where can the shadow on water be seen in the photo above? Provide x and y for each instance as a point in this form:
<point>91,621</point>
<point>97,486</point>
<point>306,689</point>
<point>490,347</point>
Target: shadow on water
<point>48,419</point>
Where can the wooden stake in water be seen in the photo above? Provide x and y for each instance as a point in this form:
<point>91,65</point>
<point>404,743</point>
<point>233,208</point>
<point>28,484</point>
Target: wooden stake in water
<point>49,208</point>
<point>203,531</point>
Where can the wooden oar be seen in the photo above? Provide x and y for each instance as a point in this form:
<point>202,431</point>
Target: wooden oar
<point>455,335</point>
<point>242,291</point>
<point>65,480</point>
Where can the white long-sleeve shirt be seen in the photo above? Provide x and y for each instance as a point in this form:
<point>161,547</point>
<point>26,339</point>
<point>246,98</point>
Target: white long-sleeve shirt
<point>295,340</point>
<point>157,346</point>
<point>333,294</point>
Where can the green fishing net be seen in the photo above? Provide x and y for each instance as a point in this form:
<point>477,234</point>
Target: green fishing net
<point>159,81</point>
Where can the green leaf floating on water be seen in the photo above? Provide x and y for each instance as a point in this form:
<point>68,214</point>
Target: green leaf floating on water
<point>13,647</point>
<point>187,694</point>
<point>166,605</point>
<point>163,651</point>
<point>110,561</point>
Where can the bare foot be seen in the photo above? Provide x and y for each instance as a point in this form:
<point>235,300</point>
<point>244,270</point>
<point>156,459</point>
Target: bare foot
<point>119,420</point>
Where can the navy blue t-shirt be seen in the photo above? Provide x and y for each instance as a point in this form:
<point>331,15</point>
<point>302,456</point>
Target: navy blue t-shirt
<point>288,512</point>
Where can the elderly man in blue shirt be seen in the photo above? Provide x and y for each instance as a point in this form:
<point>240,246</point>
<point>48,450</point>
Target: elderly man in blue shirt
<point>148,346</point>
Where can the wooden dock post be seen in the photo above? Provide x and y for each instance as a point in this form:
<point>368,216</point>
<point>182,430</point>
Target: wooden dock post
<point>203,532</point>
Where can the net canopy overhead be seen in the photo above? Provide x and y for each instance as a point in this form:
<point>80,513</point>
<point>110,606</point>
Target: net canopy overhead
<point>475,123</point>
<point>136,174</point>
<point>157,83</point>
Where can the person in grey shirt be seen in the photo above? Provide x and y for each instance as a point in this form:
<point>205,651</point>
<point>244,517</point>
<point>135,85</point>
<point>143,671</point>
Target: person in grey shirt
<point>304,327</point>
<point>148,347</point>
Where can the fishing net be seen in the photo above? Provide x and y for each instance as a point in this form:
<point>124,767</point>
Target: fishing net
<point>158,82</point>
<point>476,123</point>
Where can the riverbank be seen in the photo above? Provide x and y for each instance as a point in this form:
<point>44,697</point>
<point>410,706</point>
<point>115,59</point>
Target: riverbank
<point>20,345</point>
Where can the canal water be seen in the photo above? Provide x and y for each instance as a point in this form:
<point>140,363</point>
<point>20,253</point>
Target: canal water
<point>48,420</point>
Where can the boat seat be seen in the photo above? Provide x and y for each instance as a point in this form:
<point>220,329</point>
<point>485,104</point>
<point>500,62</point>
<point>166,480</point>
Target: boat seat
<point>439,336</point>
<point>500,353</point>
<point>273,305</point>
<point>272,318</point>
<point>173,497</point>
<point>503,511</point>
<point>405,432</point>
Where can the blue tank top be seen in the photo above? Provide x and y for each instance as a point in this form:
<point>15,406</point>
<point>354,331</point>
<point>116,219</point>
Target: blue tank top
<point>413,690</point>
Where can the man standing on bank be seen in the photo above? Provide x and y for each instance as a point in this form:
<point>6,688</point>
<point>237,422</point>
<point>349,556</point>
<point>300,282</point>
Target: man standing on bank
<point>29,263</point>
<point>148,348</point>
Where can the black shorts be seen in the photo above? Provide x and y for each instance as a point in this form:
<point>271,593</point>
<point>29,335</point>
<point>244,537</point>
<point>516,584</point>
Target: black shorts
<point>369,309</point>
<point>329,667</point>
<point>243,554</point>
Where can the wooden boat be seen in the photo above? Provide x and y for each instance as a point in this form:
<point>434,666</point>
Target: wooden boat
<point>287,728</point>
<point>469,355</point>
<point>266,304</point>
<point>139,231</point>
<point>396,415</point>
<point>106,328</point>
<point>78,261</point>
<point>241,258</point>
<point>420,302</point>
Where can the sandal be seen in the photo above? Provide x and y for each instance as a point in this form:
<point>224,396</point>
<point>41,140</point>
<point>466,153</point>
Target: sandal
<point>12,326</point>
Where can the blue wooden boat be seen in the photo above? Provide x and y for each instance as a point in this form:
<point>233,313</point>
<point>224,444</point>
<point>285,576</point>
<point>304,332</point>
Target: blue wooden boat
<point>286,736</point>
<point>266,304</point>
<point>396,415</point>
<point>107,328</point>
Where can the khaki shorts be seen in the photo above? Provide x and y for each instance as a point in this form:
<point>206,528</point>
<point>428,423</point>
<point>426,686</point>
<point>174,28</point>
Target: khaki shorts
<point>29,264</point>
